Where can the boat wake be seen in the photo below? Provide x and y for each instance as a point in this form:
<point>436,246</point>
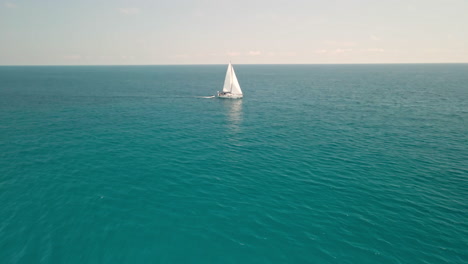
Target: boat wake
<point>205,97</point>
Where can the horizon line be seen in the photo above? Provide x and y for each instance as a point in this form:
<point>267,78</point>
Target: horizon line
<point>208,64</point>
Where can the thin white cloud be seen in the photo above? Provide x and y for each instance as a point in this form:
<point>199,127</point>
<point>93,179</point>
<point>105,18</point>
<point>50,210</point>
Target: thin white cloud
<point>321,51</point>
<point>10,5</point>
<point>375,38</point>
<point>129,10</point>
<point>233,53</point>
<point>255,53</point>
<point>281,54</point>
<point>341,51</point>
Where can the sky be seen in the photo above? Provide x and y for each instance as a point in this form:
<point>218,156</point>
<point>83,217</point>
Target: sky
<point>142,32</point>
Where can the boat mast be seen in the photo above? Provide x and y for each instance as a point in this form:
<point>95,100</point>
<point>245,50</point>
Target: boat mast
<point>230,77</point>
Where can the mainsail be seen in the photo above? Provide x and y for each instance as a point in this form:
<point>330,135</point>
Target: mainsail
<point>231,84</point>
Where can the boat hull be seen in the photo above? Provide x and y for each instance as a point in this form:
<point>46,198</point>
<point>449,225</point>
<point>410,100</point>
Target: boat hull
<point>229,96</point>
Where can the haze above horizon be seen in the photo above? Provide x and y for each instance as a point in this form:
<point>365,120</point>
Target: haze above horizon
<point>141,32</point>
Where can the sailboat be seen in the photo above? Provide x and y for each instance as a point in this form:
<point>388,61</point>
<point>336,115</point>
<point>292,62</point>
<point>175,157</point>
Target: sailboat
<point>231,88</point>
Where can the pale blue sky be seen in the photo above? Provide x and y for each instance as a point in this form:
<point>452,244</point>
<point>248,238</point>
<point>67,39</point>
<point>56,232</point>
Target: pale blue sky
<point>64,32</point>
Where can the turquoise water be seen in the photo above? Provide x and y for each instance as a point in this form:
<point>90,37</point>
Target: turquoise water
<point>317,164</point>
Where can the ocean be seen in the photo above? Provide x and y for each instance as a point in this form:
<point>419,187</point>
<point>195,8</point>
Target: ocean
<point>317,164</point>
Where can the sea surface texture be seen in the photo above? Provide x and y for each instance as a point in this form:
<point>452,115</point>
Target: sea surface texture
<point>317,164</point>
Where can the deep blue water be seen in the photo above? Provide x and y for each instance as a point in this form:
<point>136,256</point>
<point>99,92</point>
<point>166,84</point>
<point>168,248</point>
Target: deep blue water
<point>317,164</point>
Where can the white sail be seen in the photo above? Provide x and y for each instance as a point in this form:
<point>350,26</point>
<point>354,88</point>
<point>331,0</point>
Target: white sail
<point>228,80</point>
<point>235,88</point>
<point>231,84</point>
